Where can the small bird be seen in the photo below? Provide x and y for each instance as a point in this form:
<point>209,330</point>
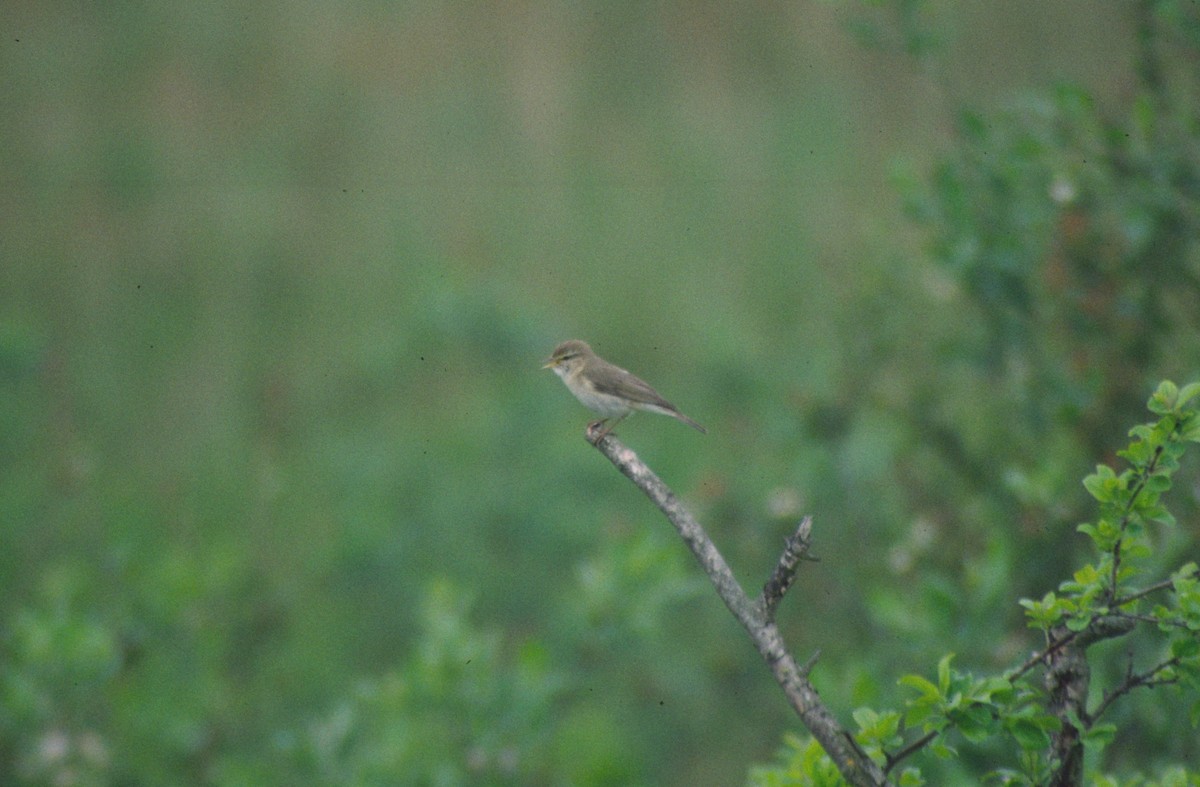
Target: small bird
<point>607,389</point>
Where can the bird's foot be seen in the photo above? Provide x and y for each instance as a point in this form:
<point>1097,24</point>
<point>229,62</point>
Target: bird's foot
<point>595,433</point>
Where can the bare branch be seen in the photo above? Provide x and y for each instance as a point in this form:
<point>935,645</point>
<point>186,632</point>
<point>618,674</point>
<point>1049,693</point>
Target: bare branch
<point>1041,657</point>
<point>1127,517</point>
<point>807,666</point>
<point>1166,584</point>
<point>895,759</point>
<point>795,549</point>
<point>851,761</point>
<point>1133,681</point>
<point>1101,628</point>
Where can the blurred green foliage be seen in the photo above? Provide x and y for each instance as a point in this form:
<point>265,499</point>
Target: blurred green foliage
<point>1042,720</point>
<point>285,498</point>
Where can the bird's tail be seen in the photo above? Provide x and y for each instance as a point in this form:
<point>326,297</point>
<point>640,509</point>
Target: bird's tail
<point>689,422</point>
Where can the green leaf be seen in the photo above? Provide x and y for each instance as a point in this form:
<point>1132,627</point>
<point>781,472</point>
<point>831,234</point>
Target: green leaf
<point>1164,399</point>
<point>1078,623</point>
<point>1188,575</point>
<point>922,685</point>
<point>1088,575</point>
<point>1100,735</point>
<point>1029,734</point>
<point>1045,613</point>
<point>943,751</point>
<point>1102,484</point>
<point>1143,432</point>
<point>1187,393</point>
<point>919,712</point>
<point>864,717</point>
<point>976,723</point>
<point>1185,648</point>
<point>993,688</point>
<point>1160,515</point>
<point>1104,534</point>
<point>1189,431</point>
<point>876,728</point>
<point>943,671</point>
<point>1157,483</point>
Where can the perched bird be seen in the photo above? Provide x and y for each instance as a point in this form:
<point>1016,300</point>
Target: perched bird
<point>607,389</point>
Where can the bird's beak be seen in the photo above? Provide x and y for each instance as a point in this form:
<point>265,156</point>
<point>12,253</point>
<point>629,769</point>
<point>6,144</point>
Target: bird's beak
<point>550,363</point>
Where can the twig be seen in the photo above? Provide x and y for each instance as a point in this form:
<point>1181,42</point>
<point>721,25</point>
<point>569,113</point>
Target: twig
<point>1133,681</point>
<point>795,549</point>
<point>1126,517</point>
<point>1166,584</point>
<point>807,666</point>
<point>1040,657</point>
<point>1100,628</point>
<point>851,761</point>
<point>895,759</point>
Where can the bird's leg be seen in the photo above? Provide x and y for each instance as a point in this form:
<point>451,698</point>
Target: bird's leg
<point>604,432</point>
<point>594,435</point>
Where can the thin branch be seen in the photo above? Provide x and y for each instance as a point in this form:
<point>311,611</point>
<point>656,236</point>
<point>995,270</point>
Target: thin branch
<point>795,549</point>
<point>1166,584</point>
<point>1100,628</point>
<point>1041,656</point>
<point>1133,681</point>
<point>1145,473</point>
<point>1150,619</point>
<point>807,666</point>
<point>851,761</point>
<point>920,743</point>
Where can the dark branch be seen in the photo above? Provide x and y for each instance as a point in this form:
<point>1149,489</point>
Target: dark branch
<point>1166,584</point>
<point>920,743</point>
<point>1105,627</point>
<point>1041,656</point>
<point>795,549</point>
<point>1101,628</point>
<point>1067,678</point>
<point>1134,681</point>
<point>1126,518</point>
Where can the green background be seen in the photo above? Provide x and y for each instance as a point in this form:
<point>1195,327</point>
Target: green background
<point>284,496</point>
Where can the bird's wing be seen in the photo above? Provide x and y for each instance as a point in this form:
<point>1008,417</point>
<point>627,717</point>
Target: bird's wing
<point>635,389</point>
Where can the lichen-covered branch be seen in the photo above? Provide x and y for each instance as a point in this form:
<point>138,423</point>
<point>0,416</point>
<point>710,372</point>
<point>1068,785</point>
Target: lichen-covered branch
<point>855,766</point>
